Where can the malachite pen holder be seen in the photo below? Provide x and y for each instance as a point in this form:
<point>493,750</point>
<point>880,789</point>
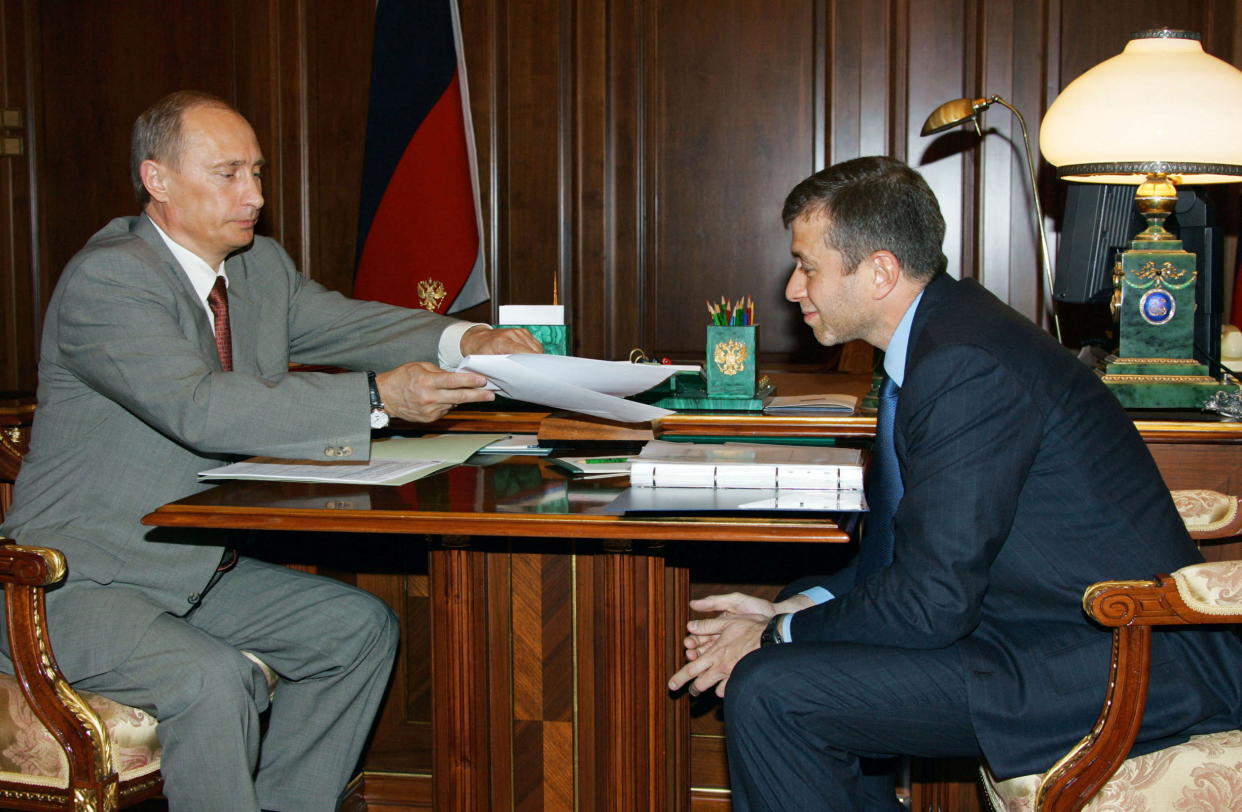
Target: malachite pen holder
<point>732,361</point>
<point>553,337</point>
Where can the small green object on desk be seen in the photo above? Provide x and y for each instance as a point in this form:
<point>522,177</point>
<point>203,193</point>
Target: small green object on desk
<point>689,393</point>
<point>553,337</point>
<point>732,360</point>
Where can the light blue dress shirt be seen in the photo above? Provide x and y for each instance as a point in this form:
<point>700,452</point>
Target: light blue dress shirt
<point>895,368</point>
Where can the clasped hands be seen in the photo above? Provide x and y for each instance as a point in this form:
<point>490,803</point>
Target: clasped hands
<point>715,645</point>
<point>422,392</point>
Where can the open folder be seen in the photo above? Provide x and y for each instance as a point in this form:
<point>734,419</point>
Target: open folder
<point>394,461</point>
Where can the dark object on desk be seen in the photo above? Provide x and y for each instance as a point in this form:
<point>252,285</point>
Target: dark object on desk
<point>812,404</point>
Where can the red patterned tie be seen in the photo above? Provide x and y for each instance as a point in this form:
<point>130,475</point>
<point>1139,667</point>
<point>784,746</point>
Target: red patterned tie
<point>218,301</point>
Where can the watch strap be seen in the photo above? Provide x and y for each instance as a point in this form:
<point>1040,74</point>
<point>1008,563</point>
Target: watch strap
<point>771,635</point>
<point>376,403</point>
<point>379,417</point>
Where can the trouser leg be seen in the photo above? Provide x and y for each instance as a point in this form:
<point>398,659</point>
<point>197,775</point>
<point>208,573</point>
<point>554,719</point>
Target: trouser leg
<point>207,698</point>
<point>801,716</point>
<point>333,647</point>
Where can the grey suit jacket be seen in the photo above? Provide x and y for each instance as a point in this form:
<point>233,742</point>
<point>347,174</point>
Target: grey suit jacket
<point>133,404</point>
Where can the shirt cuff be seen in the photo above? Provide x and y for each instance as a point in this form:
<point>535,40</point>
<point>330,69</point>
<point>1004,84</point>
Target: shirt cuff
<point>818,595</point>
<point>449,349</point>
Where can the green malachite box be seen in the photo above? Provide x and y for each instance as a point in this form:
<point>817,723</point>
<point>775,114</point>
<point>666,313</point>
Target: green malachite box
<point>732,361</point>
<point>554,337</point>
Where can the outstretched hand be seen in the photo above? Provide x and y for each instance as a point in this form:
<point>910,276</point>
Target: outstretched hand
<point>422,392</point>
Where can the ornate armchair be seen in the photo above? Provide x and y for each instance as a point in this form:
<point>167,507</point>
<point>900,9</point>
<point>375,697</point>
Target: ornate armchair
<point>1202,773</point>
<point>60,748</point>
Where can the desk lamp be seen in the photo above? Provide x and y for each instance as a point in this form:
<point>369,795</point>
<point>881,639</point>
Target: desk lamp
<point>959,111</point>
<point>1159,114</point>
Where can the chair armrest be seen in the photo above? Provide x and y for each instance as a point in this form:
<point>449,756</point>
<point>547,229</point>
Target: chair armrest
<point>25,572</point>
<point>30,566</point>
<point>1198,594</point>
<point>1208,514</point>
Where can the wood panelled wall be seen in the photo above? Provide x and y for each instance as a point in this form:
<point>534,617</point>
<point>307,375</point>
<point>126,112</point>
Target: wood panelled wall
<point>634,155</point>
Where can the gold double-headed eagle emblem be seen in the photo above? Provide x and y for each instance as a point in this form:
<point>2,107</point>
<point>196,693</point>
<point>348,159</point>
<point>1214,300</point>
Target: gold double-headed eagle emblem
<point>431,293</point>
<point>730,356</point>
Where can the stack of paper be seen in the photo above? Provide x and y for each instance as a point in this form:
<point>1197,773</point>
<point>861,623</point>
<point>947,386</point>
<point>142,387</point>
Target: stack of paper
<point>747,465</point>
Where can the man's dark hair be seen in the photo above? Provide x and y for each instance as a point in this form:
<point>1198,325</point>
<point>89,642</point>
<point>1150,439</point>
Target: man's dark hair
<point>157,133</point>
<point>874,203</point>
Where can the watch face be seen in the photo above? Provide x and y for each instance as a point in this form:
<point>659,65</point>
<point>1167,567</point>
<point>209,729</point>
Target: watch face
<point>379,419</point>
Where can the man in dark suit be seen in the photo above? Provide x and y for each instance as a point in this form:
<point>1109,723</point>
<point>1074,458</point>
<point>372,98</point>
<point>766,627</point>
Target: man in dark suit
<point>1021,481</point>
<point>143,382</point>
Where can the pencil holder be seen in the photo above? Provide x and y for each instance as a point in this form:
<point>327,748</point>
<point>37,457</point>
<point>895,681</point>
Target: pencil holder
<point>732,358</point>
<point>553,337</point>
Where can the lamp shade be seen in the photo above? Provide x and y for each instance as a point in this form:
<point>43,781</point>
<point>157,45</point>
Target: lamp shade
<point>1161,105</point>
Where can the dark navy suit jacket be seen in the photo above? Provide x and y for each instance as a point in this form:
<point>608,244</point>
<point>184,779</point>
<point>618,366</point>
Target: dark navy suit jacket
<point>1025,481</point>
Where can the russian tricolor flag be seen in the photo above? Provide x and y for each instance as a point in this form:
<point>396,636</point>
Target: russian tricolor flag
<point>419,227</point>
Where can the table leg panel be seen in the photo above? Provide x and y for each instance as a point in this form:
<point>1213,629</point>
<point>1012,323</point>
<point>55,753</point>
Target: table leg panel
<point>460,720</point>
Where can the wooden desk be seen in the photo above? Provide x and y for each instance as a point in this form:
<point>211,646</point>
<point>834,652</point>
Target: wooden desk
<point>616,740</point>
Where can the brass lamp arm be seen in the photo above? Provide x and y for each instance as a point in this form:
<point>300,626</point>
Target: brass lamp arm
<point>1045,256</point>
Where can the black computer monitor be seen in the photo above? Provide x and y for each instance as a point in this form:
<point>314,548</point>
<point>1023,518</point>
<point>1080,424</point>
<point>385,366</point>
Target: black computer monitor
<point>1100,220</point>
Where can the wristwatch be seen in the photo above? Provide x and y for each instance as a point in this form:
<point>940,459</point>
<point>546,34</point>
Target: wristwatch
<point>379,417</point>
<point>772,632</point>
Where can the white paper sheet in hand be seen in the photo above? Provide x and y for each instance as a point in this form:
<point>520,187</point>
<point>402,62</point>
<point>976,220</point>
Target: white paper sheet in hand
<point>598,388</point>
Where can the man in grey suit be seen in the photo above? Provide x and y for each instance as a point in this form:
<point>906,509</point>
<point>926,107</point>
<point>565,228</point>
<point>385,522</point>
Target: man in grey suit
<point>143,382</point>
<point>1018,481</point>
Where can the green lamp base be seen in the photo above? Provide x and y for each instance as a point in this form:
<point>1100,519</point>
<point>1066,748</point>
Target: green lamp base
<point>1161,383</point>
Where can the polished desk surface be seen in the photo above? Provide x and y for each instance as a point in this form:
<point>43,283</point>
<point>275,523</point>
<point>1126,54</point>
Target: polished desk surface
<point>1155,426</point>
<point>492,496</point>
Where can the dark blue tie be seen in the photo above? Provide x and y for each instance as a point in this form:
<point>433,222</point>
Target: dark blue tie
<point>884,488</point>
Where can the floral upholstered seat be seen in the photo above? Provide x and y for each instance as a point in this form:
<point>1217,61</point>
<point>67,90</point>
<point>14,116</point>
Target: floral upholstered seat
<point>30,754</point>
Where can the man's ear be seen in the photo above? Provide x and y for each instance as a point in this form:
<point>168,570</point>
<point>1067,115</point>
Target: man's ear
<point>886,269</point>
<point>153,178</point>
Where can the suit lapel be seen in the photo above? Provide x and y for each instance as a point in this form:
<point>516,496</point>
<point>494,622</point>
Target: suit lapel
<point>192,307</point>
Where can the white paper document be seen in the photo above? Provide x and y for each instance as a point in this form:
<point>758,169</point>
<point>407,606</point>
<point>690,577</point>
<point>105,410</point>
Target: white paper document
<point>394,461</point>
<point>385,472</point>
<point>585,385</point>
<point>532,314</point>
